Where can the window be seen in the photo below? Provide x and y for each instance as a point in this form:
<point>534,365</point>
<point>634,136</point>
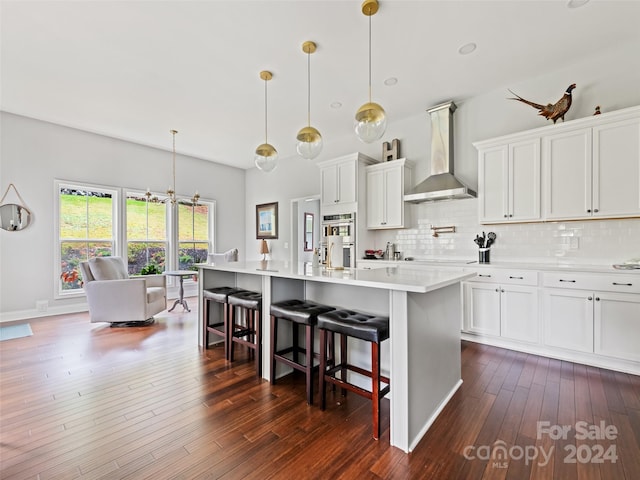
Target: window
<point>195,233</point>
<point>147,239</point>
<point>150,231</point>
<point>87,229</point>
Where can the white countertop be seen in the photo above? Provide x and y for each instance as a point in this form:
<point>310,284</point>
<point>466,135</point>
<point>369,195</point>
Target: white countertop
<point>409,280</point>
<point>473,264</point>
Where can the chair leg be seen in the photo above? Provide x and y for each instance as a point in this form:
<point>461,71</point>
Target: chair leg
<point>323,368</point>
<point>375,388</point>
<point>294,330</point>
<point>309,362</point>
<point>343,362</point>
<point>205,321</point>
<point>231,321</point>
<point>273,345</point>
<point>258,340</point>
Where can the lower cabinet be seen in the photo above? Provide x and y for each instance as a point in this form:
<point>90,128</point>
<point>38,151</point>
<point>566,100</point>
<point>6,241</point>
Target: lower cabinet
<point>616,323</point>
<point>508,311</point>
<point>568,319</point>
<point>596,322</point>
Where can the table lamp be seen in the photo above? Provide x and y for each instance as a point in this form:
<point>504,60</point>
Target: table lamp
<point>264,249</point>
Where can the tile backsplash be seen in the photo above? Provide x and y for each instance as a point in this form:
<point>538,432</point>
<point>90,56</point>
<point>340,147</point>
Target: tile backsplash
<point>584,242</point>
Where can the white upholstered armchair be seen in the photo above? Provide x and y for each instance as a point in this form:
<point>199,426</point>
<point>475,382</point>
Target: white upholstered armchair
<point>116,298</point>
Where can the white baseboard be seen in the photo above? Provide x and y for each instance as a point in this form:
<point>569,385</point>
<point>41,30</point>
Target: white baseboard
<point>591,359</point>
<point>50,312</point>
<point>433,417</point>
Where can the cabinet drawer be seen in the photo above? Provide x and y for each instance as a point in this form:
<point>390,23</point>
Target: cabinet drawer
<point>607,282</point>
<point>506,277</point>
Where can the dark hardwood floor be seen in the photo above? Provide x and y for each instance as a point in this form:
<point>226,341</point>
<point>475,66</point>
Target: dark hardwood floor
<point>82,400</point>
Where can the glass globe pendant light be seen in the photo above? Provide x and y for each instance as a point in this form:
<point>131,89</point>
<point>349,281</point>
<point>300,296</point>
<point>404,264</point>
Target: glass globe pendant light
<point>266,158</point>
<point>309,140</point>
<point>371,120</point>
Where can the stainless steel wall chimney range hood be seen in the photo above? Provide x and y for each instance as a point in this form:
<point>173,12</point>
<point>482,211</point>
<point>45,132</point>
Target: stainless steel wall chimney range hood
<point>441,184</point>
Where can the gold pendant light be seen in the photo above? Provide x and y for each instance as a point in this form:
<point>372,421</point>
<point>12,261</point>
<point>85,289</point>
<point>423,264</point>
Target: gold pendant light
<point>371,120</point>
<point>309,144</point>
<point>266,158</point>
<point>171,191</point>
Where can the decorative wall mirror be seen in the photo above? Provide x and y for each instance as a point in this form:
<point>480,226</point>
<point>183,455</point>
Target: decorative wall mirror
<point>13,216</point>
<point>308,232</point>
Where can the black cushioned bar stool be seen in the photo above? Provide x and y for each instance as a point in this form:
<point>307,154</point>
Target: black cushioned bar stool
<point>218,295</point>
<point>298,312</point>
<point>370,328</point>
<point>249,333</point>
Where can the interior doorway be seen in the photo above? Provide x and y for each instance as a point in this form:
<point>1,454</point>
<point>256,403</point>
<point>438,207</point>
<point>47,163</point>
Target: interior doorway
<point>305,227</point>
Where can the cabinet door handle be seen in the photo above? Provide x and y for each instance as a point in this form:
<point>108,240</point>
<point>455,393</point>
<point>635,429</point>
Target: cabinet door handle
<point>597,299</point>
<point>570,281</point>
<point>589,211</point>
<point>595,210</point>
<point>516,278</point>
<point>511,215</point>
<point>502,290</point>
<point>590,298</point>
<point>498,290</point>
<point>485,276</point>
<point>505,215</point>
<point>623,284</point>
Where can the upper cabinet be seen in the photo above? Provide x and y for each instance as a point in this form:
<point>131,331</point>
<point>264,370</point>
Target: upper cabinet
<point>386,185</point>
<point>586,168</point>
<point>593,172</point>
<point>341,179</point>
<point>509,182</point>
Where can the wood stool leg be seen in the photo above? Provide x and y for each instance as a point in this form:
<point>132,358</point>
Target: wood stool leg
<point>343,361</point>
<point>309,362</point>
<point>258,337</point>
<point>294,329</point>
<point>323,368</point>
<point>205,321</point>
<point>229,332</point>
<point>375,388</point>
<point>273,345</point>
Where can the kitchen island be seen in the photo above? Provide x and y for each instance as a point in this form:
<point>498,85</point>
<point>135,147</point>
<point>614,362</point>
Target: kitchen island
<point>422,356</point>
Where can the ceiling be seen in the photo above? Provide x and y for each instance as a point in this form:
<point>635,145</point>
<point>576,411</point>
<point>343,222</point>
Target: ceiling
<point>136,69</point>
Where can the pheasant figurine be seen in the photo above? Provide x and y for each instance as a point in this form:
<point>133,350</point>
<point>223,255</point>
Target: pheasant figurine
<point>551,111</point>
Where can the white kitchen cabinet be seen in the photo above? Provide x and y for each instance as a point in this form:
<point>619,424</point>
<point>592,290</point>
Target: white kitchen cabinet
<point>617,325</point>
<point>338,183</point>
<point>482,308</point>
<point>509,182</point>
<point>568,319</point>
<point>341,180</point>
<point>567,174</point>
<point>584,168</point>
<point>593,172</point>
<point>503,303</point>
<point>604,318</point>
<point>386,185</point>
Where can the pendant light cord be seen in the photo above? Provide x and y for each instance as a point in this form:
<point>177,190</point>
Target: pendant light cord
<point>370,58</point>
<point>174,164</point>
<point>309,87</point>
<point>265,111</point>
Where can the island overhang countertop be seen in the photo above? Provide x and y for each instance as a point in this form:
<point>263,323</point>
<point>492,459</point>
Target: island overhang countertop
<point>392,278</point>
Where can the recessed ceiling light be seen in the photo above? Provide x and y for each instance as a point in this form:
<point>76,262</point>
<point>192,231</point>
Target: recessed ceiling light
<point>336,105</point>
<point>391,81</point>
<point>467,48</point>
<point>576,3</point>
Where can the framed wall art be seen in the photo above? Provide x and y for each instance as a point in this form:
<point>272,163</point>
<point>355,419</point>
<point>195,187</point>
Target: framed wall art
<point>267,221</point>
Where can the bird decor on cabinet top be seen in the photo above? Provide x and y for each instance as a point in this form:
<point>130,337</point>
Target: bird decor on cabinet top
<point>597,112</point>
<point>551,111</point>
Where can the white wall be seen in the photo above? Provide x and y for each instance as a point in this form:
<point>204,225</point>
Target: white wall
<point>34,153</point>
<point>609,79</point>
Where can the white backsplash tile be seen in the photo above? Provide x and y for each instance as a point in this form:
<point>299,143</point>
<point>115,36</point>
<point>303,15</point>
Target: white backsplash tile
<point>583,242</point>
